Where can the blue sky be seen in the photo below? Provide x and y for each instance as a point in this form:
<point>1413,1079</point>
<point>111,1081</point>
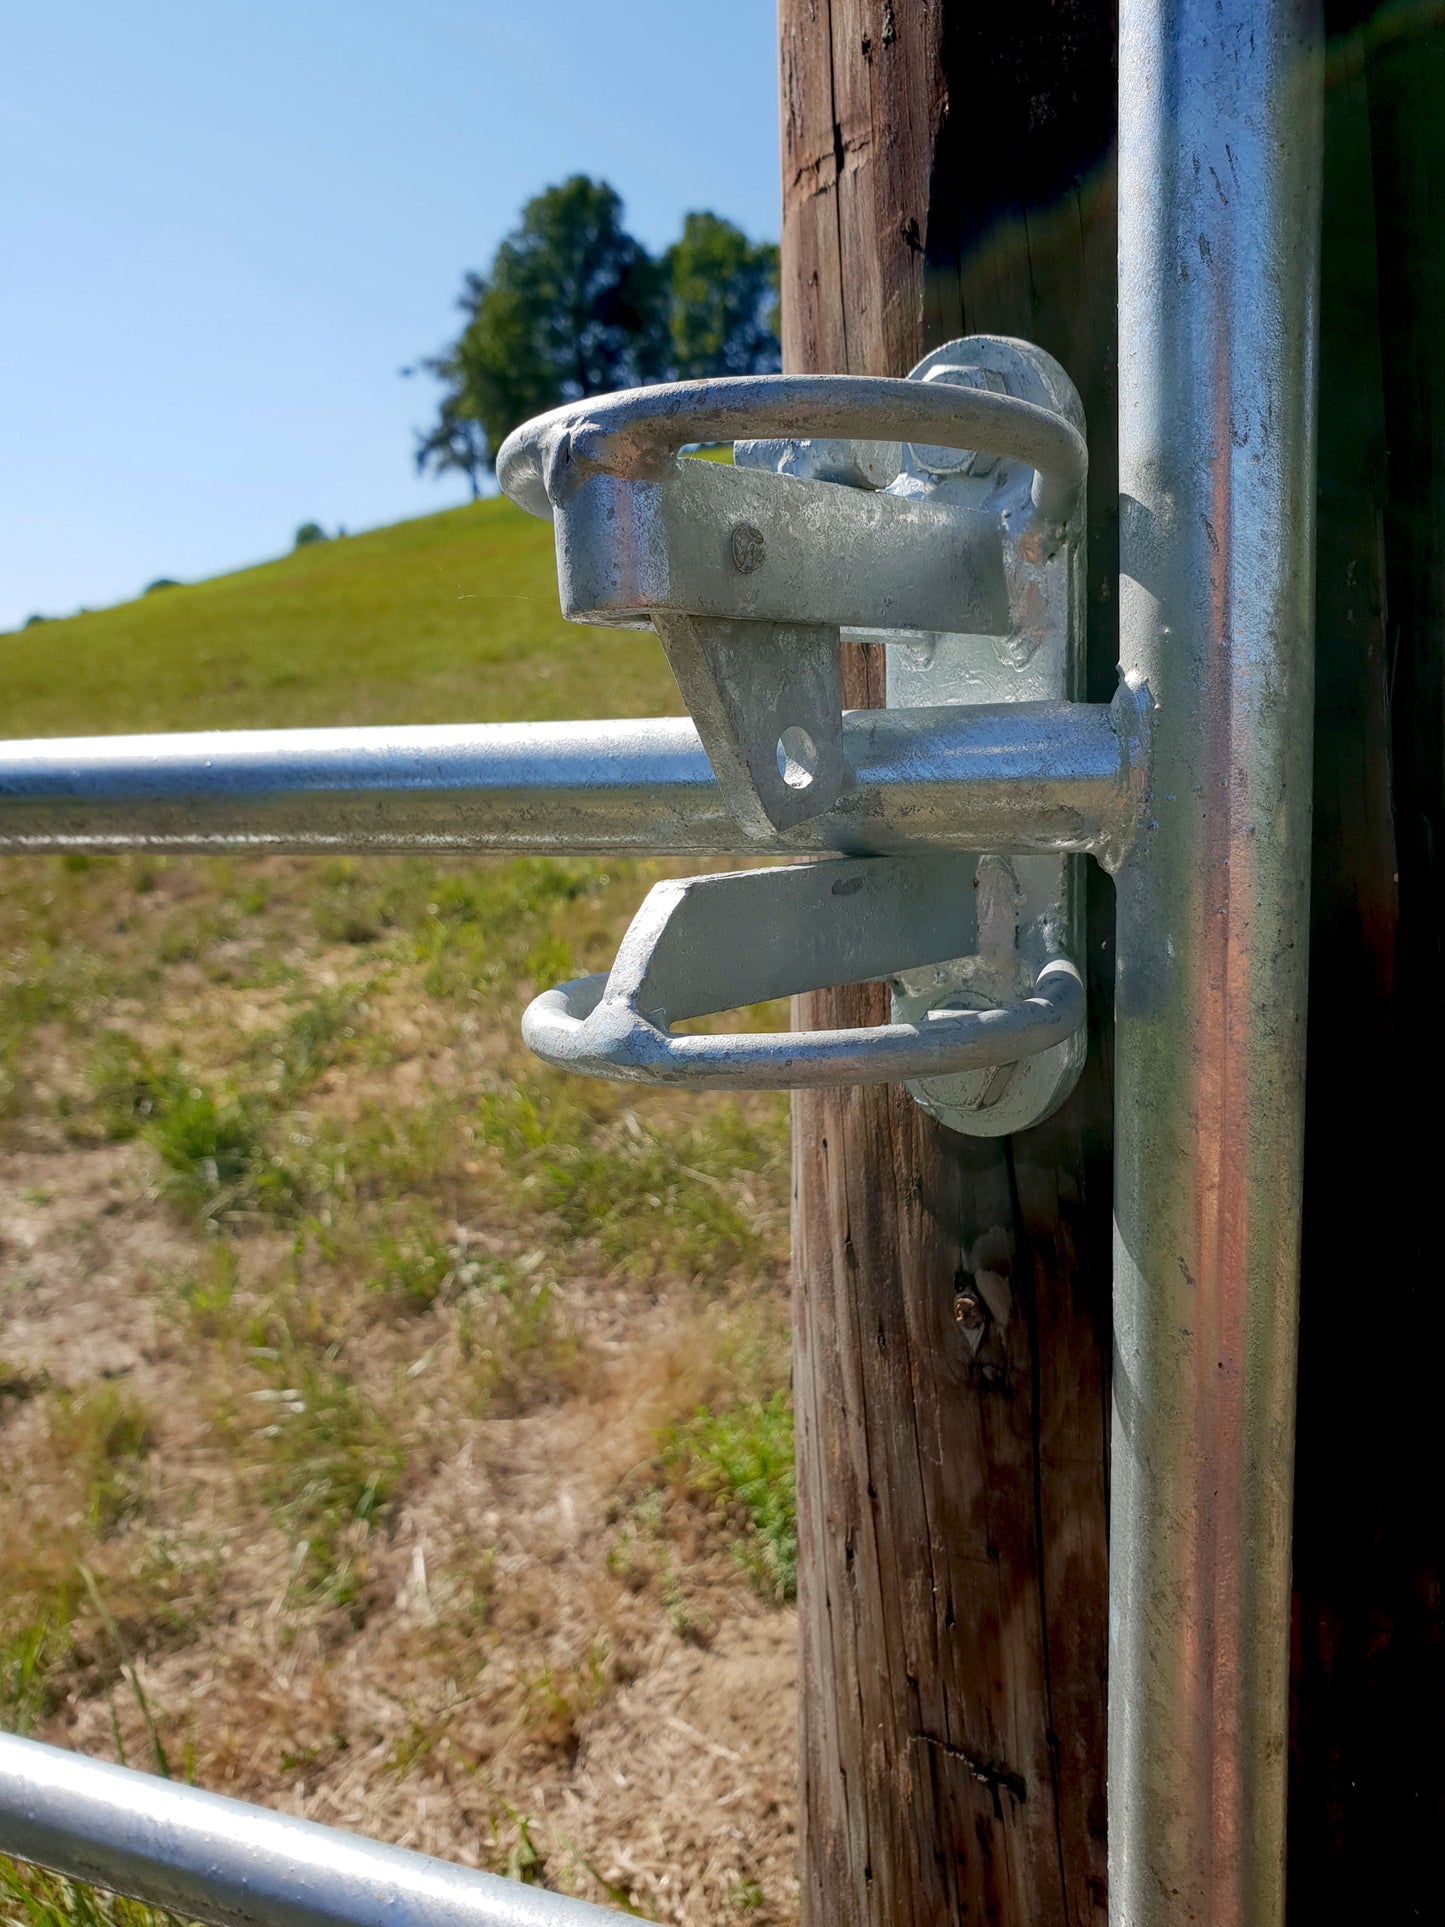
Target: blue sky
<point>228,224</point>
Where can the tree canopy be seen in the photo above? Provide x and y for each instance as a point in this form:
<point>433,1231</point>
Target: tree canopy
<point>722,294</point>
<point>573,305</point>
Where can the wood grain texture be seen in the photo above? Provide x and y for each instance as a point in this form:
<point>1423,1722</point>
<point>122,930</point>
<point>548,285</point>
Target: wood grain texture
<point>862,96</point>
<point>945,175</point>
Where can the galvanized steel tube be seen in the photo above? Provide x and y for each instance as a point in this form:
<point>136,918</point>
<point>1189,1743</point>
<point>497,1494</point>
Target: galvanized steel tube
<point>209,1858</point>
<point>1219,182</point>
<point>1018,778</point>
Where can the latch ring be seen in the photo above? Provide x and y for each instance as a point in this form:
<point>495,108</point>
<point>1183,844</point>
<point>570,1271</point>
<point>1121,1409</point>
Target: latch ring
<point>638,432</point>
<point>579,1028</point>
<point>693,949</point>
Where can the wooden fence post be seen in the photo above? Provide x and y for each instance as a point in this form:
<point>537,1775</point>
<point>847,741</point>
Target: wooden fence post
<point>947,170</point>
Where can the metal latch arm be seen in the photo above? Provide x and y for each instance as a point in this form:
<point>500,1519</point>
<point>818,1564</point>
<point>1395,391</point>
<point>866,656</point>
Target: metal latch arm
<point>714,943</point>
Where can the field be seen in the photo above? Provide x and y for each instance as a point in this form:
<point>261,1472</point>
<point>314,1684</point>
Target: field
<point>391,1431</point>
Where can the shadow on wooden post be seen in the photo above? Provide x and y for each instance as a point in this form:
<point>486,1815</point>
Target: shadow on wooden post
<point>1367,1778</point>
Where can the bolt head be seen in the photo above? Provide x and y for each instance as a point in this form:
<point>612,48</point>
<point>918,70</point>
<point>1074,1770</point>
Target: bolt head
<point>941,462</point>
<point>970,1311</point>
<point>748,548</point>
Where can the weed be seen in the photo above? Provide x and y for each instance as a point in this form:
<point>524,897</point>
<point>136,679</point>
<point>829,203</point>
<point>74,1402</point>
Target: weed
<point>617,1895</point>
<point>215,1151</point>
<point>217,1146</point>
<point>386,1153</point>
<point>347,906</point>
<point>486,929</point>
<point>525,1860</point>
<point>745,1895</point>
<point>102,1435</point>
<point>417,1266</point>
<point>129,1088</point>
<point>330,1465</point>
<point>512,1338</point>
<point>315,1036</point>
<point>206,1296</point>
<point>557,1700</point>
<point>652,1201</point>
<point>633,1555</point>
<point>32,1654</point>
<point>14,1083</point>
<point>684,1622</point>
<point>18,1383</point>
<point>639,1556</point>
<point>61,1638</point>
<point>741,1462</point>
<point>426,1729</point>
<point>40,1899</point>
<point>127,1666</point>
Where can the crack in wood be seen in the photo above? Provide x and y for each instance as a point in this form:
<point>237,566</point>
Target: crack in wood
<point>992,1774</point>
<point>822,171</point>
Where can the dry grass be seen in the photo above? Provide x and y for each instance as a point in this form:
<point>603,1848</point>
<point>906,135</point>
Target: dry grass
<point>392,1431</point>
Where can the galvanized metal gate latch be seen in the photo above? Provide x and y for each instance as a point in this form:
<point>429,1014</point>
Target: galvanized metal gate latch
<point>944,517</point>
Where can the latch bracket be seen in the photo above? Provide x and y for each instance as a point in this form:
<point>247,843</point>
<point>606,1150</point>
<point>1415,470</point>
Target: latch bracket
<point>943,516</point>
<point>642,533</point>
<point>1029,907</point>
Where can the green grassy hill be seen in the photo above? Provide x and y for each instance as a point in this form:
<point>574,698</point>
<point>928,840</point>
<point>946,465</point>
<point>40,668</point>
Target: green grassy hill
<point>449,618</point>
<point>346,1346</point>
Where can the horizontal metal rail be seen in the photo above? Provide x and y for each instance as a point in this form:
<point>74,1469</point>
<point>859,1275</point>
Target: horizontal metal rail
<point>209,1858</point>
<point>1019,778</point>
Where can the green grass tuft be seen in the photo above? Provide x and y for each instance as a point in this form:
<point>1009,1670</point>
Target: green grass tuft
<point>651,1200</point>
<point>33,1650</point>
<point>331,1462</point>
<point>212,1146</point>
<point>32,1897</point>
<point>104,1434</point>
<point>740,1461</point>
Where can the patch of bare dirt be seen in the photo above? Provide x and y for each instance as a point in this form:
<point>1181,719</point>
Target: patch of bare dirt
<point>531,1683</point>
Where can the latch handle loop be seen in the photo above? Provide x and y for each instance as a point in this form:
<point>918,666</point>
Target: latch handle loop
<point>638,432</point>
<point>578,1027</point>
<point>698,947</point>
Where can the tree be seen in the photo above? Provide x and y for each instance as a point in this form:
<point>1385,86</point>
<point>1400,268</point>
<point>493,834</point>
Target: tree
<point>456,441</point>
<point>722,293</point>
<point>572,306</point>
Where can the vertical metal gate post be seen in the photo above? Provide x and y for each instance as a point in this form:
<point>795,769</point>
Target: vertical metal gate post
<point>1220,161</point>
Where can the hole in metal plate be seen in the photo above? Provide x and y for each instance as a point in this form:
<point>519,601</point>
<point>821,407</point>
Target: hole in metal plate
<point>797,758</point>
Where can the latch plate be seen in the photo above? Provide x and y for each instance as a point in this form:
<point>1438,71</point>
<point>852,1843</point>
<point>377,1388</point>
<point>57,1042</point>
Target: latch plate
<point>1029,908</point>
